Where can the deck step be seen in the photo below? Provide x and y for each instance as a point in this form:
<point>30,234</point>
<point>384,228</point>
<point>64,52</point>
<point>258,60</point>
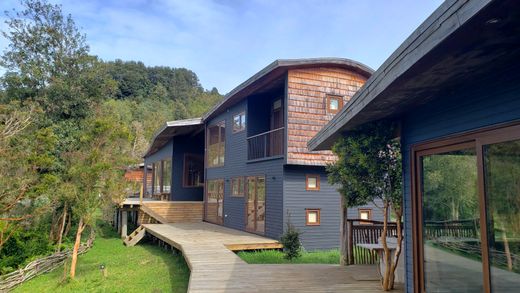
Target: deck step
<point>135,236</point>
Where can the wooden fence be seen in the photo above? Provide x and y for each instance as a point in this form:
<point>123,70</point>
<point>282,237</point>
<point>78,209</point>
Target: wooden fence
<point>453,228</point>
<point>368,232</point>
<point>40,266</point>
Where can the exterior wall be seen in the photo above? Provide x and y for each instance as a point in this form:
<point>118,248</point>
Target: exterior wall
<point>327,199</point>
<point>235,165</point>
<point>307,91</point>
<point>185,145</point>
<point>464,110</point>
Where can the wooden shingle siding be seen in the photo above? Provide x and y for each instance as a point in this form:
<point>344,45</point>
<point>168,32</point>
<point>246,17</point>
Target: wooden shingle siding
<point>479,105</point>
<point>307,91</point>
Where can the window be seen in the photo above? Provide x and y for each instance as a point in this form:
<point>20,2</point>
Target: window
<point>215,201</point>
<point>157,170</point>
<point>334,104</point>
<point>312,182</point>
<point>365,214</point>
<point>166,175</point>
<point>216,144</point>
<point>312,217</point>
<point>239,122</point>
<point>193,171</point>
<point>237,186</point>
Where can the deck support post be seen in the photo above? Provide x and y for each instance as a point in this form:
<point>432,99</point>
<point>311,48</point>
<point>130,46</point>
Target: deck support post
<point>124,224</point>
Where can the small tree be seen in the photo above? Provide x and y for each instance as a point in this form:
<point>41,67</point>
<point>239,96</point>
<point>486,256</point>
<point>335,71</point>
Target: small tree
<point>369,168</point>
<point>291,241</point>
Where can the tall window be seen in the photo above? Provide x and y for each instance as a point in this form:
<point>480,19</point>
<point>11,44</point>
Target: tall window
<point>216,144</point>
<point>239,122</point>
<point>193,170</point>
<point>237,186</point>
<point>214,201</point>
<point>166,175</point>
<point>334,104</point>
<point>157,173</point>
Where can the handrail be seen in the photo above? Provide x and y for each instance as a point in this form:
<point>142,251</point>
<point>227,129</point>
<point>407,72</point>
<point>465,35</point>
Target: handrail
<point>264,133</point>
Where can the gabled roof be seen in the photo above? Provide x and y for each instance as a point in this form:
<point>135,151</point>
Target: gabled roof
<point>460,42</point>
<point>274,71</point>
<point>171,129</point>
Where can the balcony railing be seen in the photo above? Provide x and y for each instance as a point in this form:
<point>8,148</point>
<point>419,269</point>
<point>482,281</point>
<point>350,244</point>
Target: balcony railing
<point>265,145</point>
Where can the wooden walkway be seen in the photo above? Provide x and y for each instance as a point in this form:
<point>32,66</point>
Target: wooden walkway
<point>214,267</point>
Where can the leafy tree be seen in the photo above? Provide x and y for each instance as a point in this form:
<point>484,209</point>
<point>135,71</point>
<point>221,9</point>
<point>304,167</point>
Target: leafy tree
<point>369,168</point>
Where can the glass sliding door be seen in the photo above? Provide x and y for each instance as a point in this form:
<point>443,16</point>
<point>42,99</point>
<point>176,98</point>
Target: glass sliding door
<point>214,211</point>
<point>255,204</point>
<point>450,215</point>
<point>502,189</point>
<point>466,212</point>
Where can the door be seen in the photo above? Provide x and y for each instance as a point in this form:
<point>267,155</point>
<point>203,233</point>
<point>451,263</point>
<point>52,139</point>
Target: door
<point>468,213</point>
<point>214,203</point>
<point>255,204</point>
<point>276,136</point>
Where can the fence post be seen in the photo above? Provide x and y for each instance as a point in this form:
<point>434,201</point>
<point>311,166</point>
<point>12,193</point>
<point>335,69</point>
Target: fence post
<point>343,234</point>
<point>350,244</point>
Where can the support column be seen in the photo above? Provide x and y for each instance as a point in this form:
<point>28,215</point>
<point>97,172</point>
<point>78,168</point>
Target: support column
<point>124,224</point>
<point>119,221</point>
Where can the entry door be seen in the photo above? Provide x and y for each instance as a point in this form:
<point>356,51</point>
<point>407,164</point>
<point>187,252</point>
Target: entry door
<point>255,204</point>
<point>214,210</point>
<point>277,122</point>
<point>468,211</point>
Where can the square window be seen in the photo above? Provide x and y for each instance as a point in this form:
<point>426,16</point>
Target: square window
<point>312,182</point>
<point>334,104</point>
<point>312,217</point>
<point>365,214</point>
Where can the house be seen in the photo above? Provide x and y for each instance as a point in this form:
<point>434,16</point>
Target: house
<point>454,87</point>
<point>247,158</point>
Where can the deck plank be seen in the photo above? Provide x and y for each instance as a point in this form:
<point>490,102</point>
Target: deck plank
<point>215,268</point>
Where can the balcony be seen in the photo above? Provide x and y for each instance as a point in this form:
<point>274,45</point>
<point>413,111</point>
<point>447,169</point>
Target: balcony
<point>266,145</point>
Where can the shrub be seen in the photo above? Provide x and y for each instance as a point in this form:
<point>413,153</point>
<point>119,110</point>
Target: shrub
<point>291,242</point>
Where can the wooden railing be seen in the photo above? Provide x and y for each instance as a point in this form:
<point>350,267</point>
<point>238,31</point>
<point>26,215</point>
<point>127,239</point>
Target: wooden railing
<point>265,145</point>
<point>368,232</point>
<point>454,228</point>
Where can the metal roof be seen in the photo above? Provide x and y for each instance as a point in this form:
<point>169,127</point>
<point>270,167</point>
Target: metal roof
<point>171,129</point>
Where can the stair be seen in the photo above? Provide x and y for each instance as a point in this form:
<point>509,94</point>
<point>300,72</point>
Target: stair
<point>135,237</point>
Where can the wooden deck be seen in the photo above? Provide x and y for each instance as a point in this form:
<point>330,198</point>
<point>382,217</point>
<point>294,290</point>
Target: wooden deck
<point>215,268</point>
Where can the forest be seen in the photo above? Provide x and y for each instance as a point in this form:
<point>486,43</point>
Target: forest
<point>70,124</point>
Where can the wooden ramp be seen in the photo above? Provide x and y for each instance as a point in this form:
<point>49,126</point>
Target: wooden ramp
<point>215,268</point>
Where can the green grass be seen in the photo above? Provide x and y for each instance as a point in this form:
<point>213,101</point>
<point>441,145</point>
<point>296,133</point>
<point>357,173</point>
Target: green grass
<point>277,257</point>
<point>142,268</point>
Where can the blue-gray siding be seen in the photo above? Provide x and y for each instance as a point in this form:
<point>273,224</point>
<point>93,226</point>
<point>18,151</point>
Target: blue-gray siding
<point>470,108</point>
<point>297,199</point>
<point>235,165</point>
<point>185,145</point>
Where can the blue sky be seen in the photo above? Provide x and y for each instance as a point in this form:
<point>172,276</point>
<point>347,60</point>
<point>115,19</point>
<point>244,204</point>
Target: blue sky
<point>225,42</point>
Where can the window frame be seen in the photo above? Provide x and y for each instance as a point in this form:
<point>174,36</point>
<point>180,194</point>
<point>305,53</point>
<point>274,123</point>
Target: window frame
<point>318,217</point>
<point>241,191</point>
<point>317,176</point>
<point>242,123</point>
<point>221,145</point>
<point>340,103</point>
<point>184,171</point>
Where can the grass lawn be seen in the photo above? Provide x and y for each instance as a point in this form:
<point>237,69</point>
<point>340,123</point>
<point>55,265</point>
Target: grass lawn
<point>142,268</point>
<point>277,257</point>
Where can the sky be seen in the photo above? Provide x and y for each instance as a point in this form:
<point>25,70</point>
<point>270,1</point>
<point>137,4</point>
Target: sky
<point>226,42</point>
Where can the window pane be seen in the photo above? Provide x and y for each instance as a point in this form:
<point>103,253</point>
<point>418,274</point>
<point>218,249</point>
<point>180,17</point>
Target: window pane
<point>334,104</point>
<point>243,120</point>
<point>451,238</point>
<point>312,217</point>
<point>236,123</point>
<point>502,182</point>
<point>363,216</point>
<point>260,208</point>
<point>312,182</point>
<point>167,175</point>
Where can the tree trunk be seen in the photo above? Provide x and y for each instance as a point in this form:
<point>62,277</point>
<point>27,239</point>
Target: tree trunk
<point>67,229</point>
<point>343,249</point>
<point>388,259</point>
<point>398,215</point>
<point>62,228</point>
<point>81,226</point>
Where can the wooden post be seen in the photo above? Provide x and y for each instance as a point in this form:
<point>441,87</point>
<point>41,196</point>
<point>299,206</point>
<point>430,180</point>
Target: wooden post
<point>350,243</point>
<point>119,221</point>
<point>141,194</point>
<point>124,224</point>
